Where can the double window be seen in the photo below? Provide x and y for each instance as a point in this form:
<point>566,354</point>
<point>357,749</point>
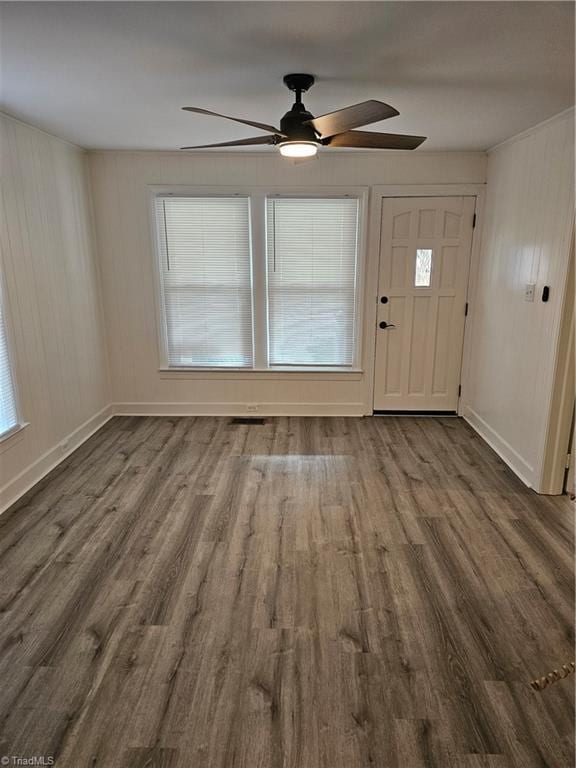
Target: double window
<point>259,282</point>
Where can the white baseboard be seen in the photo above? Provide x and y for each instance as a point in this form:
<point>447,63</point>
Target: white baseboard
<point>22,483</point>
<point>512,458</point>
<point>239,409</point>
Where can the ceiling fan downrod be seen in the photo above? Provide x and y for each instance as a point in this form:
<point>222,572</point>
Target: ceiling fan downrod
<point>293,124</point>
<point>298,83</point>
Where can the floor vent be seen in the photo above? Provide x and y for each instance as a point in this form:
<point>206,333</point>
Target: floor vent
<point>245,420</point>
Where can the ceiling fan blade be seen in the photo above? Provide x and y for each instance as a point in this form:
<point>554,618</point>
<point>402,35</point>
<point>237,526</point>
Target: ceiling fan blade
<point>372,140</point>
<point>262,126</point>
<point>272,139</point>
<point>351,117</point>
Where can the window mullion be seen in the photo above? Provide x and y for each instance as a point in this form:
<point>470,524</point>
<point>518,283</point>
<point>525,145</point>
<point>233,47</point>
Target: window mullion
<point>259,279</point>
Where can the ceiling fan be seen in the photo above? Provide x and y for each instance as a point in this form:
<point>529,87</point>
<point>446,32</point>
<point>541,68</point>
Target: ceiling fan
<point>300,133</point>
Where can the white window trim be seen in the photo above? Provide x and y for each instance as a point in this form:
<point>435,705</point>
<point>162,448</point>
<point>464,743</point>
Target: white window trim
<point>13,436</point>
<point>257,196</point>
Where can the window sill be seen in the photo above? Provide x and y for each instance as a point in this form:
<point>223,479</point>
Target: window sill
<point>250,374</point>
<point>12,437</point>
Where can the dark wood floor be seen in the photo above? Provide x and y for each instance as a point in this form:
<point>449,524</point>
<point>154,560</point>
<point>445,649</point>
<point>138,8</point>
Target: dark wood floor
<point>343,593</point>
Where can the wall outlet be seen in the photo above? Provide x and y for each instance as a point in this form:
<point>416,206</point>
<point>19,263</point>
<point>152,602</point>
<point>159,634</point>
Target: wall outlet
<point>529,291</point>
<point>252,408</point>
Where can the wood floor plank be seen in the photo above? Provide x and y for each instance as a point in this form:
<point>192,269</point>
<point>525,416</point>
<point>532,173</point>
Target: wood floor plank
<point>304,593</point>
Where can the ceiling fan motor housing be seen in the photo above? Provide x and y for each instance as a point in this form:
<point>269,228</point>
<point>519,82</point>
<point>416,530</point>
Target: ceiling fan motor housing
<point>292,124</point>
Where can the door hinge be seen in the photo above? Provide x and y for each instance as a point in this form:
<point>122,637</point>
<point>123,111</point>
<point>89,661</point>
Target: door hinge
<point>466,309</point>
<point>568,460</point>
<point>459,390</point>
<point>474,221</point>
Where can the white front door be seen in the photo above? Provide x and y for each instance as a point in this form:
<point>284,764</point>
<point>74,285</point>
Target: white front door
<point>425,248</point>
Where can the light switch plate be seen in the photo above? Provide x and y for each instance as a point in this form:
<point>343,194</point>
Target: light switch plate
<point>529,291</point>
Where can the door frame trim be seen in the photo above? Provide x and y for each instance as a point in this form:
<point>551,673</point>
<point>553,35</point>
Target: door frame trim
<point>378,194</point>
<point>561,407</point>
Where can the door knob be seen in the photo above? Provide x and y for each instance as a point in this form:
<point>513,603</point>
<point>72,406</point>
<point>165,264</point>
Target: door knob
<point>384,324</point>
<point>384,300</point>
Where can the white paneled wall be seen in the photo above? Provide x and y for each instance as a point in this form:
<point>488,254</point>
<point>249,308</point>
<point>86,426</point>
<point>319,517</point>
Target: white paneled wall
<point>526,239</point>
<point>121,201</point>
<point>53,302</point>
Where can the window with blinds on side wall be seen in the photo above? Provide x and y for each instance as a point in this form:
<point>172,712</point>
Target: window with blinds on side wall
<point>312,265</point>
<point>8,410</point>
<point>205,262</point>
<point>258,282</point>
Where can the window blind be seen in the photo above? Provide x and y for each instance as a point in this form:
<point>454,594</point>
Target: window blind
<point>204,247</point>
<point>311,247</point>
<point>8,414</point>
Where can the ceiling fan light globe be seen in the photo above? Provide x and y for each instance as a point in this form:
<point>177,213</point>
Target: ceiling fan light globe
<point>298,148</point>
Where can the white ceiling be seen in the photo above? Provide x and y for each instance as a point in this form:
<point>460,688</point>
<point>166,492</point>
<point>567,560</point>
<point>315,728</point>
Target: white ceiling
<point>114,75</point>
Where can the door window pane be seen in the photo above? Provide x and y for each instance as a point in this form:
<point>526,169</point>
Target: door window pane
<point>423,268</point>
